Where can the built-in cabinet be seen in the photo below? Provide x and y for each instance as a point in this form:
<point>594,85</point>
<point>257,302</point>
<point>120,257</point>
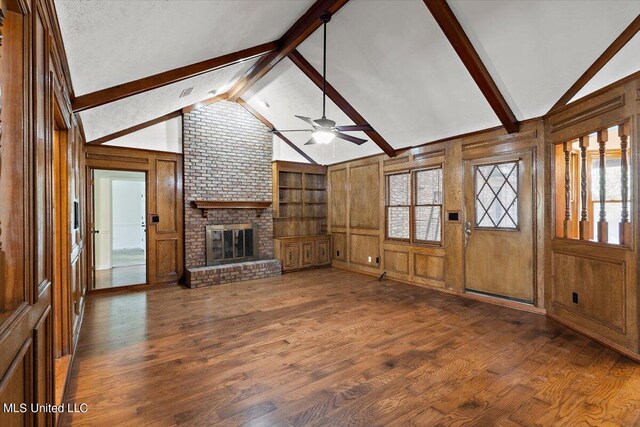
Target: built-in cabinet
<point>300,215</point>
<point>297,253</point>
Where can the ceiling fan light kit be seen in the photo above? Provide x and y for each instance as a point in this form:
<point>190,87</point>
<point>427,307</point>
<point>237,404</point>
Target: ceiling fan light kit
<point>325,130</point>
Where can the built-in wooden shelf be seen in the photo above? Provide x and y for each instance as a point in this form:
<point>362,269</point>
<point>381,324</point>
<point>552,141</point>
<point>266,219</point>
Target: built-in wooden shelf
<point>205,205</point>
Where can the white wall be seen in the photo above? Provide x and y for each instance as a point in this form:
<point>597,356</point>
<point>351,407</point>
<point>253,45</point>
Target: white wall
<point>127,207</point>
<point>164,136</point>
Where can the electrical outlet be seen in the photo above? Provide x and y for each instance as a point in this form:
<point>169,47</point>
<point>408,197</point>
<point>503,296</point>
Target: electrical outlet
<point>574,297</point>
<point>369,259</point>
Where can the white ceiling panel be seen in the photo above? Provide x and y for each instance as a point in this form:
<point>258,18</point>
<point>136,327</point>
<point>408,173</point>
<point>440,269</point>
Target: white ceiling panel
<point>128,112</point>
<point>282,151</point>
<point>390,60</point>
<point>624,63</point>
<point>109,42</point>
<point>288,92</point>
<point>535,50</point>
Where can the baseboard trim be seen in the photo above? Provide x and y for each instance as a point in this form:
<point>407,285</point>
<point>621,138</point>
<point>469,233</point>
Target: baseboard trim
<point>604,341</point>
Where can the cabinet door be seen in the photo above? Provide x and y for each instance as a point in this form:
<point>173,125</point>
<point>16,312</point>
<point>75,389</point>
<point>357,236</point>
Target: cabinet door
<point>290,252</point>
<point>308,253</point>
<point>323,251</point>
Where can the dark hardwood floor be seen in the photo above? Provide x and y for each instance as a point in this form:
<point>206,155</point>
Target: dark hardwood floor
<point>329,347</point>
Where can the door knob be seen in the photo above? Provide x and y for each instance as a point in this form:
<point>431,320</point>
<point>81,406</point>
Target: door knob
<point>95,231</point>
<point>467,228</point>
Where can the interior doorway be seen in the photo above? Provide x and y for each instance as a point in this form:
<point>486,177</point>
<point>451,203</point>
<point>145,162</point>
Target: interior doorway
<point>120,229</point>
<point>499,226</point>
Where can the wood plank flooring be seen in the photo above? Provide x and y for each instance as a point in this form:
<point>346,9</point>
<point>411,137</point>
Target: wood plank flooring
<point>329,347</point>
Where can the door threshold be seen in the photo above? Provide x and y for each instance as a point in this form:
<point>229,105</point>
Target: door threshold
<point>504,301</point>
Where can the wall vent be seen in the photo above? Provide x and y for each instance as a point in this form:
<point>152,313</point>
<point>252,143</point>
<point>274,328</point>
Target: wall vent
<point>186,92</point>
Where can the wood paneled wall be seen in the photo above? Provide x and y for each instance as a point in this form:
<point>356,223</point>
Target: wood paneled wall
<point>604,276</point>
<point>41,252</point>
<point>357,210</point>
<point>164,176</point>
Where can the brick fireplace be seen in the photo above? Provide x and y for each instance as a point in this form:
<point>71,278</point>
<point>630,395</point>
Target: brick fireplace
<point>227,157</point>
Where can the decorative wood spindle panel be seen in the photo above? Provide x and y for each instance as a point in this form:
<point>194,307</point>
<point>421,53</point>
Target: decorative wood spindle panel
<point>625,225</point>
<point>584,214</point>
<point>603,137</point>
<point>567,189</point>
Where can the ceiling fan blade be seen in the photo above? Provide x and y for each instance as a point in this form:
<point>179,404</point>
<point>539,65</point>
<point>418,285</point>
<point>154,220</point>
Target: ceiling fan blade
<point>290,130</point>
<point>358,141</point>
<point>353,128</point>
<point>308,120</point>
<point>312,141</point>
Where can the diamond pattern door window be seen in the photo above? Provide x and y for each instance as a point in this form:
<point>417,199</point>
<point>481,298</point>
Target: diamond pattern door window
<point>496,197</point>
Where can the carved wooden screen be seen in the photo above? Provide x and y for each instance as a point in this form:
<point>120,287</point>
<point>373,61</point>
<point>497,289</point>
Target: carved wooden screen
<point>593,197</point>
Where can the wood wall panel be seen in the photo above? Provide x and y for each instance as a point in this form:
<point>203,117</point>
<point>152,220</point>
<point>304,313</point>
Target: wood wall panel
<point>167,195</point>
<point>43,364</point>
<point>167,257</point>
<point>428,267</point>
<point>338,197</point>
<point>364,196</point>
<point>15,387</point>
<point>585,276</point>
<point>339,246</point>
<point>396,261</point>
<point>361,247</point>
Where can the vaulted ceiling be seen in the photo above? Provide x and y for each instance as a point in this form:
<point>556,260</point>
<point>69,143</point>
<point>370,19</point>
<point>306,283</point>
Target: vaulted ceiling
<point>389,60</point>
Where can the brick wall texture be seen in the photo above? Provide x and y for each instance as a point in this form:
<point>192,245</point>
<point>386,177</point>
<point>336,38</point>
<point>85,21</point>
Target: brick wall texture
<point>227,156</point>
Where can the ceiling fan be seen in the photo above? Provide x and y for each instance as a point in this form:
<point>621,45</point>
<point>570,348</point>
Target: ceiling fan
<point>325,130</point>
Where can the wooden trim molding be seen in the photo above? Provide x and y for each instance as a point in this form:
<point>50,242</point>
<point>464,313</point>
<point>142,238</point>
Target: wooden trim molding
<point>268,124</point>
<point>115,93</point>
<point>460,42</point>
<point>602,60</point>
<point>303,28</point>
<point>339,100</point>
<point>135,128</point>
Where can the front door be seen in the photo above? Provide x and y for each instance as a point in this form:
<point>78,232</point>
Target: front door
<point>498,226</point>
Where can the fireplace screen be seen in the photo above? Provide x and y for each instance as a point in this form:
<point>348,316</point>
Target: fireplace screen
<point>231,243</point>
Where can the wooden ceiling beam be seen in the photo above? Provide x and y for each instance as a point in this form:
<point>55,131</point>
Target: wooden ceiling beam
<point>602,60</point>
<point>135,128</point>
<point>303,28</point>
<point>115,93</point>
<point>339,100</point>
<point>460,42</point>
<point>268,124</point>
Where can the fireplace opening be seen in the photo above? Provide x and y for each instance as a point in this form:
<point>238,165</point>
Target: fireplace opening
<point>231,243</point>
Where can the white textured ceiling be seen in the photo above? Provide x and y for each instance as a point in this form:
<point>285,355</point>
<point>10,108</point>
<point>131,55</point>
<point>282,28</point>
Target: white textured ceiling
<point>390,60</point>
<point>109,42</point>
<point>624,63</point>
<point>303,98</point>
<point>128,112</point>
<point>535,50</point>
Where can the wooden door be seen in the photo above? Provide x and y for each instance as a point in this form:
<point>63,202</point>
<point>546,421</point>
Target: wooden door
<point>307,253</point>
<point>499,248</point>
<point>290,251</point>
<point>323,251</point>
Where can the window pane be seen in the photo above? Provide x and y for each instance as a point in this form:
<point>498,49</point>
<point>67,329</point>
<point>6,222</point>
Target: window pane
<point>614,213</point>
<point>428,223</point>
<point>613,179</point>
<point>398,222</point>
<point>399,190</point>
<point>429,187</point>
<point>496,195</point>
